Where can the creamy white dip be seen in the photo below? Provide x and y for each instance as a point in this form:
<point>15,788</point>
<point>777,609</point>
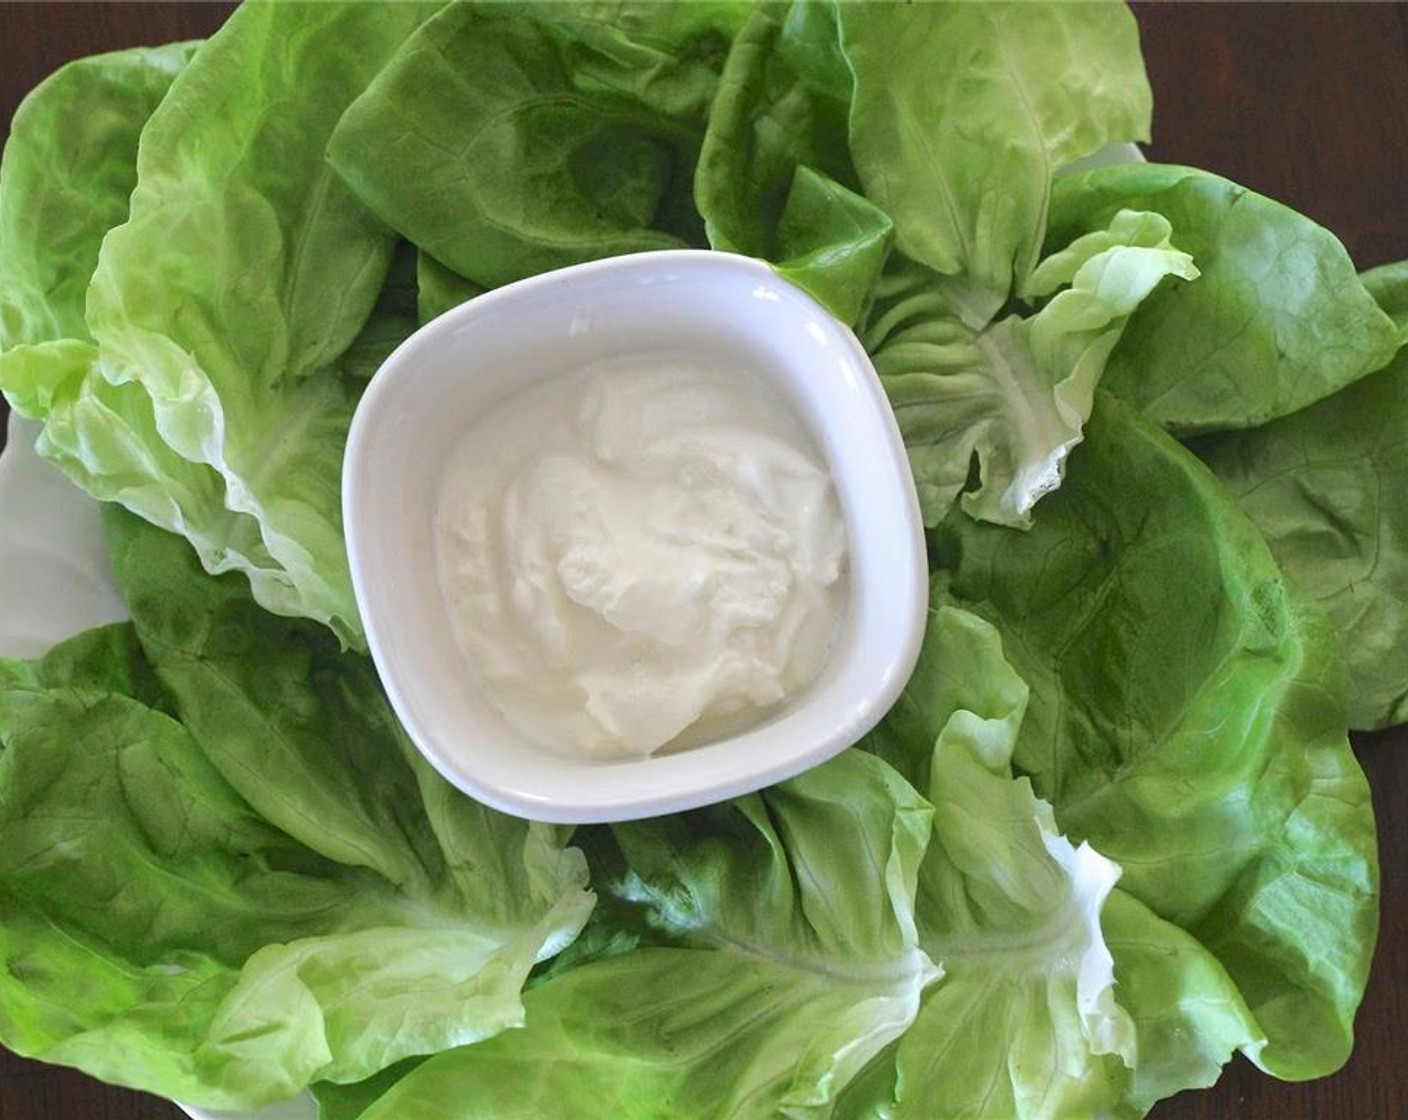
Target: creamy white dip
<point>646,554</point>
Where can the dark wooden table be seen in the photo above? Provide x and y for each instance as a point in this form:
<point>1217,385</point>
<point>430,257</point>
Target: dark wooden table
<point>1307,103</point>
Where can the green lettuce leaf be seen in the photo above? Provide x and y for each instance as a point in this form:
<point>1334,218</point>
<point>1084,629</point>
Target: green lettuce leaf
<point>274,890</point>
<point>132,881</point>
<point>1015,395</point>
<point>775,973</point>
<point>103,659</point>
<point>662,1033</point>
<point>393,317</point>
<point>1196,739</point>
<point>1326,487</point>
<point>440,288</point>
<point>1388,284</point>
<point>1189,1016</point>
<point>1176,1018</point>
<point>1278,319</point>
<point>774,178</point>
<point>507,140</point>
<point>216,393</point>
<point>348,1102</point>
<point>69,166</point>
<point>1025,1022</point>
<point>935,85</point>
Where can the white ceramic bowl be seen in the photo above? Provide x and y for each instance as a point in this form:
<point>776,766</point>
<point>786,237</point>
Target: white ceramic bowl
<point>468,360</point>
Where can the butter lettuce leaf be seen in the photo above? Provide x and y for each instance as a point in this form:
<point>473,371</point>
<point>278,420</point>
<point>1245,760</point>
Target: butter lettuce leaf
<point>767,971</point>
<point>775,178</point>
<point>69,166</point>
<point>1278,320</point>
<point>1198,740</point>
<point>258,883</point>
<point>1388,284</point>
<point>1029,957</point>
<point>1025,1022</point>
<point>208,392</point>
<point>1325,486</point>
<point>935,84</point>
<point>1321,485</point>
<point>507,140</point>
<point>1013,397</point>
<point>440,288</point>
<point>1189,1016</point>
<point>664,1032</point>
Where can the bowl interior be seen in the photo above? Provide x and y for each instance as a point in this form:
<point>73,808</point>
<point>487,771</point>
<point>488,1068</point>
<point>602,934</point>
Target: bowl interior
<point>472,358</point>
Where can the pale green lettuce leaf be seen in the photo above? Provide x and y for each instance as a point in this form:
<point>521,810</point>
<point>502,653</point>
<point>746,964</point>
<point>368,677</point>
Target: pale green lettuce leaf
<point>664,1033</point>
<point>216,395</point>
<point>1196,739</point>
<point>963,112</point>
<point>961,684</point>
<point>1278,319</point>
<point>1015,395</point>
<point>277,889</point>
<point>133,881</point>
<point>1025,1022</point>
<point>1186,1015</point>
<point>1388,284</point>
<point>158,933</point>
<point>785,958</point>
<point>1189,1016</point>
<point>69,166</point>
<point>773,870</point>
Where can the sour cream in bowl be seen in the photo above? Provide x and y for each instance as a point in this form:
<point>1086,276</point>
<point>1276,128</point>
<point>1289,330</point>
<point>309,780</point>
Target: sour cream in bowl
<point>633,537</point>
